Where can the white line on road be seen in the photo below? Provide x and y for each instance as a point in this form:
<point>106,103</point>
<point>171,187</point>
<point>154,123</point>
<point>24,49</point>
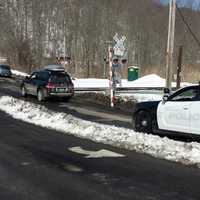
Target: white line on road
<point>95,154</point>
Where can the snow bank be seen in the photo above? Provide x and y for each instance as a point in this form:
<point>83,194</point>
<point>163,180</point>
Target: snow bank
<point>18,73</point>
<point>151,80</point>
<point>140,97</point>
<point>91,83</point>
<point>186,153</point>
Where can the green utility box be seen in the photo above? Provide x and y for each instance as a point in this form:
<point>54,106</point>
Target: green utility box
<point>133,73</point>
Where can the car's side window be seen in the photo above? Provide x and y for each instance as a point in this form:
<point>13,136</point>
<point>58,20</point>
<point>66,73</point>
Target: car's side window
<point>33,76</point>
<point>43,76</point>
<point>191,94</point>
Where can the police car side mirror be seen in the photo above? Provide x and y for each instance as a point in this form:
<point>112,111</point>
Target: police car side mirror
<point>166,94</point>
<point>165,98</point>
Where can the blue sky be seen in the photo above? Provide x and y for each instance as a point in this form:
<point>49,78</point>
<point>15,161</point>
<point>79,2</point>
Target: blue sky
<point>194,4</point>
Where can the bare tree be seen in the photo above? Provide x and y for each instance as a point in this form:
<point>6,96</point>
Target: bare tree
<point>32,33</point>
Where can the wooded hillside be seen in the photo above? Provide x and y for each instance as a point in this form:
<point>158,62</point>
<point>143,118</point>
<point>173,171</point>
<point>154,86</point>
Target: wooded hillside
<point>32,33</point>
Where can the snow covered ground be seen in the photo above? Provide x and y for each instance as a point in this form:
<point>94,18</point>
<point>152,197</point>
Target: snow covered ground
<point>141,96</point>
<point>18,73</point>
<point>186,153</point>
<point>152,81</point>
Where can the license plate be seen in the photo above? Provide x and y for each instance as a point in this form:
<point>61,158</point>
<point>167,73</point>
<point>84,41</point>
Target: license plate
<point>61,89</point>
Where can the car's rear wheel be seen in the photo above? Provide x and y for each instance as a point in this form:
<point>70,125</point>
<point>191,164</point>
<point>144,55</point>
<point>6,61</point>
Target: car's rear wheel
<point>23,91</point>
<point>143,122</point>
<point>40,95</point>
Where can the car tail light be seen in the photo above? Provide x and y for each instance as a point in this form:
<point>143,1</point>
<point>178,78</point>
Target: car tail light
<point>71,88</point>
<point>50,86</point>
<point>72,85</point>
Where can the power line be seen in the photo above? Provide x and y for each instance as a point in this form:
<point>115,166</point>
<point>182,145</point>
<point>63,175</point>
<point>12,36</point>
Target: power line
<point>188,26</point>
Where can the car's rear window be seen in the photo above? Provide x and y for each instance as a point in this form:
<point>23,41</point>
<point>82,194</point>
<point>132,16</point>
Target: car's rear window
<point>60,78</point>
<point>44,76</point>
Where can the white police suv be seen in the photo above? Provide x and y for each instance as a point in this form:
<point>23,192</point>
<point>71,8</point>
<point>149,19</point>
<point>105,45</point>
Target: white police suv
<point>179,112</point>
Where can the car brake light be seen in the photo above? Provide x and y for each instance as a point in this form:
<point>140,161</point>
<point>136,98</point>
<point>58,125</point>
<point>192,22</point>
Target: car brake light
<point>50,86</point>
<point>72,85</point>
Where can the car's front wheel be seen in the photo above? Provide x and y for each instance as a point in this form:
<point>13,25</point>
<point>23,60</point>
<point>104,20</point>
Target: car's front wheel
<point>143,122</point>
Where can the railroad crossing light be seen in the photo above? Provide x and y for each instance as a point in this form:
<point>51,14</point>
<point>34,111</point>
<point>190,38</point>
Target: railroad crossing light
<point>124,61</point>
<point>115,61</point>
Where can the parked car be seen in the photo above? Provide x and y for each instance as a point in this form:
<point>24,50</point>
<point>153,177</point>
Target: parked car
<point>49,82</point>
<point>5,71</point>
<point>179,112</point>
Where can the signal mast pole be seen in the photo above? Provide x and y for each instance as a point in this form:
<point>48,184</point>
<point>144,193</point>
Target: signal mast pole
<point>170,43</point>
<point>110,58</point>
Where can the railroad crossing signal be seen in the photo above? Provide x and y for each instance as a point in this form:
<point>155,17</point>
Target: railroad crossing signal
<point>117,58</point>
<point>119,48</point>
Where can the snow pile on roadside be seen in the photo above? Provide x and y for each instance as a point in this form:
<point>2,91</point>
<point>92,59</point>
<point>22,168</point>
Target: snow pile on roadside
<point>151,80</point>
<point>91,83</point>
<point>18,73</point>
<point>187,153</point>
<point>140,97</point>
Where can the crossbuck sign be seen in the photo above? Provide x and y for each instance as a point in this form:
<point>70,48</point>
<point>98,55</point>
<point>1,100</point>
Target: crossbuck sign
<point>119,48</point>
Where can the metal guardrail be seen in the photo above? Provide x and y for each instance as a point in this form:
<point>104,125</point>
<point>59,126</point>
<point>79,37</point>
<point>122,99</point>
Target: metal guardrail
<point>125,90</point>
<point>119,89</point>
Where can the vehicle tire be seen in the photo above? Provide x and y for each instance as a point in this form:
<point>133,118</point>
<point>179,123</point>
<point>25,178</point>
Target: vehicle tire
<point>154,125</point>
<point>143,122</point>
<point>40,95</point>
<point>23,91</point>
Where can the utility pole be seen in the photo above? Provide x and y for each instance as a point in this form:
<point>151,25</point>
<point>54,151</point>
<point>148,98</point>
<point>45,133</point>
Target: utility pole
<point>179,66</point>
<point>64,59</point>
<point>170,43</point>
<point>64,45</point>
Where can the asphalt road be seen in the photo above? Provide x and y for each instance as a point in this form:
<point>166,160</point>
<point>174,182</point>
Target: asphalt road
<point>36,163</point>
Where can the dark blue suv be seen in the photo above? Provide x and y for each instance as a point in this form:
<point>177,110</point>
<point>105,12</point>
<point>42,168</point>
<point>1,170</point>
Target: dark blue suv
<point>47,83</point>
<point>5,71</point>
